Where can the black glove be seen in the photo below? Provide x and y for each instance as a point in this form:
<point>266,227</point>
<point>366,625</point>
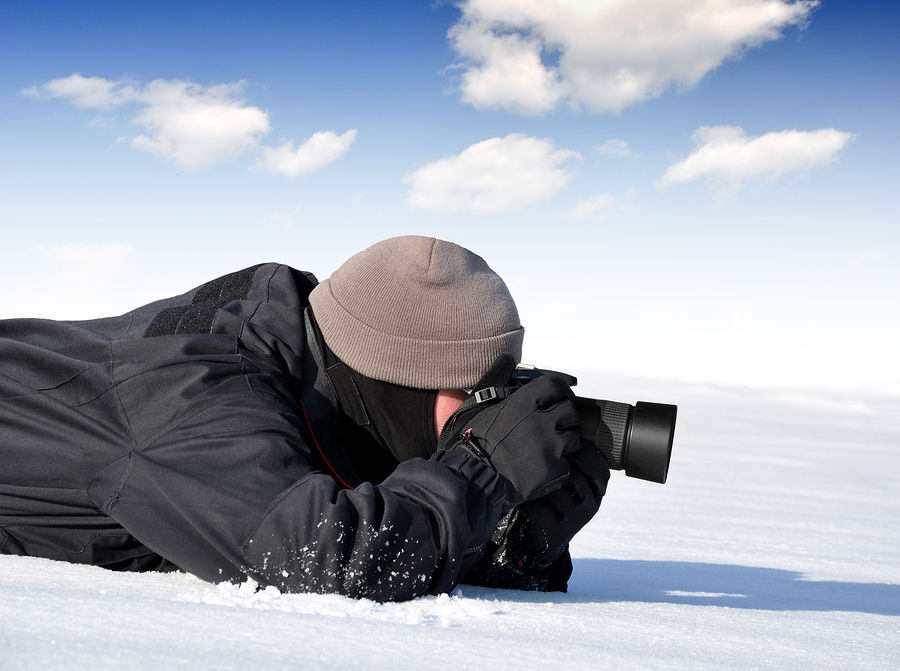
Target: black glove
<point>524,437</point>
<point>528,548</point>
<point>506,563</point>
<point>554,519</point>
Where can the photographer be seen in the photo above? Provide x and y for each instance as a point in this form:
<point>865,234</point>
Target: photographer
<point>315,437</point>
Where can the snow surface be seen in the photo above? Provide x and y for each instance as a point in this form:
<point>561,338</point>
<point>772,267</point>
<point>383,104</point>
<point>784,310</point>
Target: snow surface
<point>775,544</point>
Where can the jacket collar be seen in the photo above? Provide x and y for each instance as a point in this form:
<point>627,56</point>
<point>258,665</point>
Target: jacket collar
<point>320,407</point>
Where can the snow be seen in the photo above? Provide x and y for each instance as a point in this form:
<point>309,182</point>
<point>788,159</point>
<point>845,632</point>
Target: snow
<point>775,544</point>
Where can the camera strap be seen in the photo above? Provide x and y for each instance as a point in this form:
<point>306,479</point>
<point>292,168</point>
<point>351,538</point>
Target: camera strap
<point>471,406</point>
<point>492,387</point>
<point>488,394</point>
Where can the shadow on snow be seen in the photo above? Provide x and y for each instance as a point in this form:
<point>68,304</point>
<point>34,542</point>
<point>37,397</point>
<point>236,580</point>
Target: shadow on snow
<point>702,584</point>
<point>725,585</point>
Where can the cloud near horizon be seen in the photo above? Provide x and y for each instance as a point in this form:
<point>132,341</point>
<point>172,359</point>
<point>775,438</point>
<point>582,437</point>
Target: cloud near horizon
<point>592,206</point>
<point>500,173</point>
<point>725,156</point>
<point>86,262</point>
<point>530,56</point>
<point>190,125</point>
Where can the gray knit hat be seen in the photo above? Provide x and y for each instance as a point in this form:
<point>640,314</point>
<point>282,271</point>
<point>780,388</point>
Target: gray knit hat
<point>418,312</point>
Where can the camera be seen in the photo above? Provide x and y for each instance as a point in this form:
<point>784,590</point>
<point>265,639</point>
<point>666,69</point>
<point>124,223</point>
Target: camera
<point>634,438</point>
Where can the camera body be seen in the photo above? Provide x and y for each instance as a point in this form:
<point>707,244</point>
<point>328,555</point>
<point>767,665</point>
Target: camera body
<point>634,438</point>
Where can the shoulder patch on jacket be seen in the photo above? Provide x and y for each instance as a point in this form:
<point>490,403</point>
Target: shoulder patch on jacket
<point>197,317</point>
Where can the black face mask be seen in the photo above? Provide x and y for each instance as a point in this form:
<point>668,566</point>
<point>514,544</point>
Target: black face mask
<point>382,423</point>
<point>399,419</point>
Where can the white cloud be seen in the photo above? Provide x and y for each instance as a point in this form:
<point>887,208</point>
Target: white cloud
<point>616,148</point>
<point>598,205</point>
<point>869,258</point>
<point>75,280</point>
<point>509,73</point>
<point>94,92</point>
<point>319,150</point>
<point>194,126</point>
<point>283,221</point>
<point>600,202</point>
<point>529,55</point>
<point>726,156</point>
<point>492,175</point>
<point>87,262</point>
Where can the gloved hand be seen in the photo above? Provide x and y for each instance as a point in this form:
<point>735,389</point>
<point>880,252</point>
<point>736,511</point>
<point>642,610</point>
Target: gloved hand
<point>554,519</point>
<point>528,550</point>
<point>525,436</point>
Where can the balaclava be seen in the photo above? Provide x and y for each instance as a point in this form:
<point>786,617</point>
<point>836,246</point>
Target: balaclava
<point>404,318</point>
<point>379,418</point>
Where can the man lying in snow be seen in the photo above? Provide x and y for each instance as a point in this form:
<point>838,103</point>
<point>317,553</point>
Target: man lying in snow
<point>315,437</point>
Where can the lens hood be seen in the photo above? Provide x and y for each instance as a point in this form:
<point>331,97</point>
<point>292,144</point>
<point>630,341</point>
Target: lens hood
<point>649,443</point>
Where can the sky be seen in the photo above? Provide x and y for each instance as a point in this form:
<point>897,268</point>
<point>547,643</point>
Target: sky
<point>695,190</point>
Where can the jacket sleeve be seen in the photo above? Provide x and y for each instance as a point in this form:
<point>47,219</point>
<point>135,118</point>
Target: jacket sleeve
<point>224,502</point>
<point>416,533</point>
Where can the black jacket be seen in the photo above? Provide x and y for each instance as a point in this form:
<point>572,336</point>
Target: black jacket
<point>200,433</point>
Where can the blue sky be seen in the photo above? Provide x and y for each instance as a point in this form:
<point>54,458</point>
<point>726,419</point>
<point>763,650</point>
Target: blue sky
<point>698,190</point>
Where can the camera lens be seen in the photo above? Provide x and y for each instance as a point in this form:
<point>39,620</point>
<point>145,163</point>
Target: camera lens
<point>636,439</point>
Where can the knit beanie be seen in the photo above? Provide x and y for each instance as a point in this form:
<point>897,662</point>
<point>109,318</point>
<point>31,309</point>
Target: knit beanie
<point>418,312</point>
